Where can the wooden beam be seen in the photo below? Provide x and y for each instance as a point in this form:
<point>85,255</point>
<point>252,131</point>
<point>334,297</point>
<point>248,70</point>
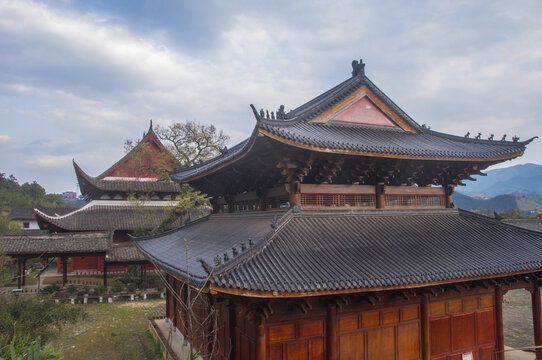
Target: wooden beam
<point>332,333</point>
<point>537,317</point>
<point>426,331</point>
<point>499,322</point>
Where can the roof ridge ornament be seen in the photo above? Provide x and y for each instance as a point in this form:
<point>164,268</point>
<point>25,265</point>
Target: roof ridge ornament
<point>358,68</point>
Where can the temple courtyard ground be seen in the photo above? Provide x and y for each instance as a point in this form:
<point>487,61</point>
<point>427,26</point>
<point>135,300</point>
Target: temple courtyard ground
<point>120,330</point>
<point>112,331</point>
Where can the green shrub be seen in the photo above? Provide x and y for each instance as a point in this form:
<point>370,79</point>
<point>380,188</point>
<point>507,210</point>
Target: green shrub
<point>117,286</point>
<point>21,348</point>
<point>131,287</point>
<point>51,289</point>
<point>100,289</point>
<point>72,289</point>
<point>34,317</point>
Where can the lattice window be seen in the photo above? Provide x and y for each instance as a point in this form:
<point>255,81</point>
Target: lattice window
<point>415,201</point>
<point>338,200</point>
<point>277,202</point>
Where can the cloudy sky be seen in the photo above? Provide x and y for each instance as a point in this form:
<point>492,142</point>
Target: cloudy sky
<point>78,78</point>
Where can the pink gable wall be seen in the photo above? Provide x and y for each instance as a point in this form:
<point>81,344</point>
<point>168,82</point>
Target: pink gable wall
<point>364,111</point>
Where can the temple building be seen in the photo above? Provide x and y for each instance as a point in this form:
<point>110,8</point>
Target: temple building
<point>334,236</point>
<point>129,197</point>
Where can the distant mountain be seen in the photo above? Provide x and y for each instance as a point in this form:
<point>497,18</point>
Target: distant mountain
<point>526,203</point>
<point>525,178</point>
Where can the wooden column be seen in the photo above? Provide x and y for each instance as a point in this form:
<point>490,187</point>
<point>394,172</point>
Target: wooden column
<point>105,273</point>
<point>380,199</point>
<point>64,271</point>
<point>229,201</point>
<point>19,272</point>
<point>449,191</point>
<point>295,193</point>
<point>499,322</point>
<point>141,267</point>
<point>24,272</point>
<point>537,318</point>
<point>426,328</point>
<point>168,300</point>
<point>261,351</point>
<point>216,207</point>
<point>331,334</point>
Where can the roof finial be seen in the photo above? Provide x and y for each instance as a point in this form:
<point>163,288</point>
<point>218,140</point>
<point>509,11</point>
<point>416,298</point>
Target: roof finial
<point>358,68</point>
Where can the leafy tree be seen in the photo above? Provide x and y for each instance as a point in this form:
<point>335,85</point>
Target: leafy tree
<point>192,142</point>
<point>28,194</point>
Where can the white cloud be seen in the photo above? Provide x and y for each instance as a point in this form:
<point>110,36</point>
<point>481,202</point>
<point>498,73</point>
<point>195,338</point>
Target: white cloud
<point>50,160</point>
<point>4,138</point>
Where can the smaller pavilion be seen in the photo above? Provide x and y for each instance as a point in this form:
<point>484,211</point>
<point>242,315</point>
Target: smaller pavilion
<point>128,197</point>
<point>63,246</point>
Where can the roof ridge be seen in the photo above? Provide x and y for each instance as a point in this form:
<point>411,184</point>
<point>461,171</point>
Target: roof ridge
<point>483,141</point>
<point>487,218</point>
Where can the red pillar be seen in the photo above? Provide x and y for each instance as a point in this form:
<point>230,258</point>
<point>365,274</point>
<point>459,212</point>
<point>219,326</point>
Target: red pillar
<point>295,193</point>
<point>426,331</point>
<point>331,332</point>
<point>24,272</point>
<point>380,199</point>
<point>499,322</point>
<point>537,318</point>
<point>64,271</point>
<point>261,353</point>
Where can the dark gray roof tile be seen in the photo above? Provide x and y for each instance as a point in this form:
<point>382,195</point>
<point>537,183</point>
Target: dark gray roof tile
<point>334,250</point>
<point>51,243</point>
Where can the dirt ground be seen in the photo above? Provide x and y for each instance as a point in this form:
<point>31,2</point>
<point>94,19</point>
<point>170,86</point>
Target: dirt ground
<point>518,319</point>
<point>115,331</point>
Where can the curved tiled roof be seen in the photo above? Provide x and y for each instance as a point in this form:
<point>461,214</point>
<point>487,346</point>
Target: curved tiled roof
<point>297,129</point>
<point>89,184</point>
<point>110,215</point>
<point>312,251</point>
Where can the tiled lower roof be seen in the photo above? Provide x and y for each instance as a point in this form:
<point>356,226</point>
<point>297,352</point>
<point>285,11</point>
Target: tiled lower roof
<point>27,213</point>
<point>311,251</point>
<point>110,215</point>
<point>51,243</point>
<point>124,253</point>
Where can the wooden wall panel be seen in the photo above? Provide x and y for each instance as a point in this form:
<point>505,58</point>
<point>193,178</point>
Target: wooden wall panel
<point>463,331</point>
<point>440,336</point>
<point>485,321</point>
<point>317,349</point>
<point>388,333</point>
<point>381,344</point>
<point>301,339</point>
<point>297,350</point>
<point>408,341</point>
<point>351,346</point>
<point>463,324</point>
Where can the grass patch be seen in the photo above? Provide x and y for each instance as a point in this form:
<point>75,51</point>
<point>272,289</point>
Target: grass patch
<point>112,331</point>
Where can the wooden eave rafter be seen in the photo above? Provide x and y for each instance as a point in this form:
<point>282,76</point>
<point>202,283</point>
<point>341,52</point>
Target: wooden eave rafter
<point>214,289</point>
